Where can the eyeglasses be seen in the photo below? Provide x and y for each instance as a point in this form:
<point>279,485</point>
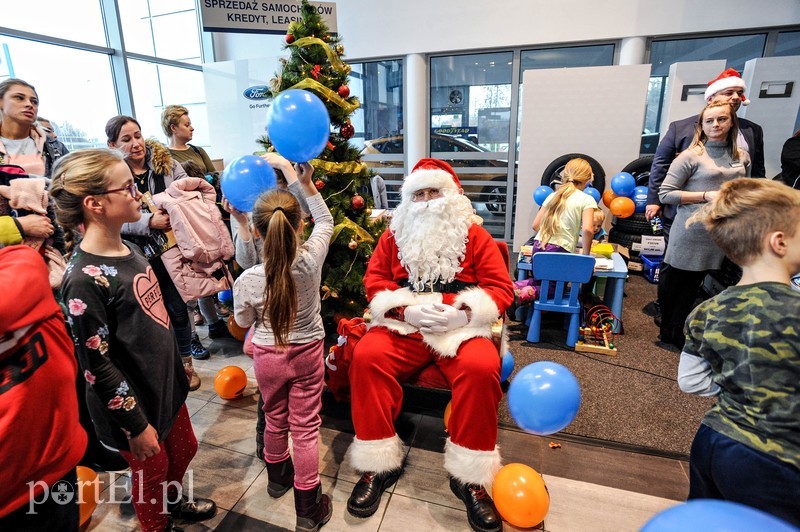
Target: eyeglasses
<point>426,194</point>
<point>131,188</point>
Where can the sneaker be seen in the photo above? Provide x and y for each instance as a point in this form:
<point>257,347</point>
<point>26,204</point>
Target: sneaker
<point>198,318</point>
<point>199,352</point>
<point>222,310</point>
<point>219,330</point>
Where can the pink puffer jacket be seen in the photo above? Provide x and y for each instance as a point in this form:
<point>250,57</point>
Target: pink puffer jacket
<point>196,264</point>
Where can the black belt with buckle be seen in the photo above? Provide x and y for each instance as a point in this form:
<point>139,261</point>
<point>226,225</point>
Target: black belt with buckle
<point>439,287</point>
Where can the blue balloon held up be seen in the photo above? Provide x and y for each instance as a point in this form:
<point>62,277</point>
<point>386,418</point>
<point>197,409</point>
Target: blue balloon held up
<point>711,515</point>
<point>507,366</point>
<point>544,398</point>
<point>639,198</point>
<point>541,193</point>
<point>244,179</point>
<point>623,184</point>
<point>298,125</point>
<point>593,192</point>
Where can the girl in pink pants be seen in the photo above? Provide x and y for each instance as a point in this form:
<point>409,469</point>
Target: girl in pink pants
<point>281,296</point>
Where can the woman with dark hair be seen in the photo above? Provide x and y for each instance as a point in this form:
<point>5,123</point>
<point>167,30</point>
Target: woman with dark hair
<point>694,178</point>
<point>153,171</point>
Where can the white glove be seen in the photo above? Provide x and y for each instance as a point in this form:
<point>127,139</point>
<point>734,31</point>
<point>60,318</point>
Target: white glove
<point>414,315</point>
<point>441,318</point>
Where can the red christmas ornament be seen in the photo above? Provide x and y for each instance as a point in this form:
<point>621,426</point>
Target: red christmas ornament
<point>357,202</point>
<point>289,38</point>
<point>315,71</point>
<point>320,184</point>
<point>331,146</point>
<point>344,91</point>
<point>347,131</point>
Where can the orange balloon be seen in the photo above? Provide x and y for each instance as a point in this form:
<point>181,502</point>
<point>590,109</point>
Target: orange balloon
<point>622,207</point>
<point>237,332</point>
<point>520,495</point>
<point>608,197</point>
<point>88,491</point>
<point>230,382</point>
<point>447,411</point>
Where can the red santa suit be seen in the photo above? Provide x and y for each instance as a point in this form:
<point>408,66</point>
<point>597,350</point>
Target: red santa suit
<point>393,350</point>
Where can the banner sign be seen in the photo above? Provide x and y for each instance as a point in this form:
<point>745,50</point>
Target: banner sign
<point>240,16</point>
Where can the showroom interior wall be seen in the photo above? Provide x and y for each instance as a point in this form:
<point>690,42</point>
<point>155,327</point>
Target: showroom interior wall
<point>416,30</point>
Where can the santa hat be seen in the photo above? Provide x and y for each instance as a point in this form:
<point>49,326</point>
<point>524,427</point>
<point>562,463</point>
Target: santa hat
<point>728,79</point>
<point>430,173</point>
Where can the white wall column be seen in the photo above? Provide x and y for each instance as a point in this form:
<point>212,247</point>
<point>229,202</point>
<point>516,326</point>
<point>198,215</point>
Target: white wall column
<point>416,108</point>
<point>632,50</point>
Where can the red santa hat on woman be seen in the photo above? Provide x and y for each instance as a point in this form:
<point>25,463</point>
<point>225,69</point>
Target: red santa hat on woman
<point>728,79</point>
<point>430,173</point>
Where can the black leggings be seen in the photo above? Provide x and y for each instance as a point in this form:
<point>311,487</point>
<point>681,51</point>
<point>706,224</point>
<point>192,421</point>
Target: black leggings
<point>677,292</point>
<point>176,308</point>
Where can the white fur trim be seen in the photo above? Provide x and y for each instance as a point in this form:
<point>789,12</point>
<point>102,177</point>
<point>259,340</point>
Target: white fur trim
<point>432,178</point>
<point>484,314</point>
<point>722,84</point>
<point>377,456</point>
<point>386,300</point>
<point>470,466</point>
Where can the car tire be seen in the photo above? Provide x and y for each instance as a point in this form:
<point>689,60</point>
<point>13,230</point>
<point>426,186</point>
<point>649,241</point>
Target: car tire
<point>493,196</point>
<point>636,224</point>
<point>640,170</point>
<point>553,170</point>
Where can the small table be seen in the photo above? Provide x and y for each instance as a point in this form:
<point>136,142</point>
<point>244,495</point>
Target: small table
<point>615,283</point>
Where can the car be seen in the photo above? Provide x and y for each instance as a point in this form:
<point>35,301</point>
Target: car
<point>492,195</point>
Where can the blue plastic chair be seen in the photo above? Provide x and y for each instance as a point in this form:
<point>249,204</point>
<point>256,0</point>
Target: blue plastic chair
<point>567,271</point>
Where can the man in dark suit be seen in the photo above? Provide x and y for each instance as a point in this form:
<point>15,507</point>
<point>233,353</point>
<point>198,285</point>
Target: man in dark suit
<point>728,86</point>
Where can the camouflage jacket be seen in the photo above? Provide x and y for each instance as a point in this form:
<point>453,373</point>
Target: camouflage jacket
<point>750,336</point>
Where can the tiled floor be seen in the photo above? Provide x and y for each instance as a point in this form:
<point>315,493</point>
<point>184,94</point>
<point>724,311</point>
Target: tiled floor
<point>591,487</point>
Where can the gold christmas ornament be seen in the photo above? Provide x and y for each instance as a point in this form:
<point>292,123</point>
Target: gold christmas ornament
<point>339,49</point>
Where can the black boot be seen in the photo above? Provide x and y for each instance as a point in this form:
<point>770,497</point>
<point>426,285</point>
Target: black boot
<point>219,330</point>
<point>281,477</point>
<point>171,526</point>
<point>313,509</point>
<point>193,510</point>
<point>481,513</point>
<point>366,495</point>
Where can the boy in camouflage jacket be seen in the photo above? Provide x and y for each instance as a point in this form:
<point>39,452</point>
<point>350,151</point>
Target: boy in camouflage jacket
<point>743,346</point>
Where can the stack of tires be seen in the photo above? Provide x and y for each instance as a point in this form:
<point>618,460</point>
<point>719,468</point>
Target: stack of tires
<point>628,231</point>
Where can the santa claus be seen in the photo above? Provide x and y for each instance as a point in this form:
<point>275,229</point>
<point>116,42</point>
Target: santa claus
<point>436,283</point>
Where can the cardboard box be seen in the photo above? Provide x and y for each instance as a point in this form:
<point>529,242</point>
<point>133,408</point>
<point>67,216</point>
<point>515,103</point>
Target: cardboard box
<point>634,266</point>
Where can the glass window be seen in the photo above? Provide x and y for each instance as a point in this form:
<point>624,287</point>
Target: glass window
<point>735,49</point>
<point>76,20</point>
<point>156,86</point>
<point>378,122</point>
<point>788,43</point>
<point>576,56</point>
<point>167,30</point>
<point>470,114</point>
<point>76,90</point>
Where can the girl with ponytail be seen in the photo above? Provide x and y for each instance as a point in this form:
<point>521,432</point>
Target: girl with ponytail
<point>281,296</point>
<point>564,216</point>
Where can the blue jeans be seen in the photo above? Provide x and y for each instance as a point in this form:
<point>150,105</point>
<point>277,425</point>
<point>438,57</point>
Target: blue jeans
<point>176,308</point>
<point>722,468</point>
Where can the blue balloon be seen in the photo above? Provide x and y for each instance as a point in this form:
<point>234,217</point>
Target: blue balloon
<point>298,125</point>
<point>540,194</point>
<point>244,179</point>
<point>507,366</point>
<point>225,297</point>
<point>639,198</point>
<point>593,192</point>
<point>544,397</point>
<point>711,515</point>
<point>623,184</point>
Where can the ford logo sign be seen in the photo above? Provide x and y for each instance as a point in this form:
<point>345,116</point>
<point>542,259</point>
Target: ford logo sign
<point>259,92</point>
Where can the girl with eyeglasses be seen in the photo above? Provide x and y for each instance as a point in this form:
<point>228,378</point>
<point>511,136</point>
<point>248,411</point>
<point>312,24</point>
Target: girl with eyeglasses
<point>136,386</point>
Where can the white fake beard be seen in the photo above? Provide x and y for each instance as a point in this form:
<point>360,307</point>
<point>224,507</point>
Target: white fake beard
<point>432,237</point>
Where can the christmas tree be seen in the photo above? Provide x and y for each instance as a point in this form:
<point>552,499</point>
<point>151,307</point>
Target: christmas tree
<point>315,65</point>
